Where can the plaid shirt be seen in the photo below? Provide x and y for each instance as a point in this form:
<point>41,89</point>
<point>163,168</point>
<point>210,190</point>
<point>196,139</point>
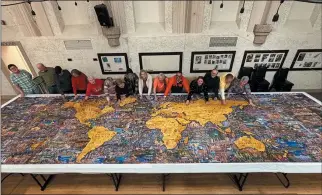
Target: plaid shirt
<point>24,81</point>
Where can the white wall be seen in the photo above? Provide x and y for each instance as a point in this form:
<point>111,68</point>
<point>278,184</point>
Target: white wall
<point>301,11</point>
<point>6,88</point>
<point>149,11</point>
<point>73,15</point>
<point>51,51</point>
<point>228,13</point>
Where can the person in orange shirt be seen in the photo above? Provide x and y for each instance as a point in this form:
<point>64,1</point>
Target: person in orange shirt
<point>159,84</point>
<point>177,84</point>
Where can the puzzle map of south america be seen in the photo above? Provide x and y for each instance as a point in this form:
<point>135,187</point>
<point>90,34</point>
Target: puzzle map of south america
<point>52,130</point>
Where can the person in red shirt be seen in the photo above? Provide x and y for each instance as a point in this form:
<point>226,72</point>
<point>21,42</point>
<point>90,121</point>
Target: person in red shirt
<point>176,84</point>
<point>79,82</point>
<point>94,87</point>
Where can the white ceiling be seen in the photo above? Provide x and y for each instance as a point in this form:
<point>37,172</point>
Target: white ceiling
<point>301,11</point>
<point>74,15</point>
<point>149,11</point>
<point>228,13</point>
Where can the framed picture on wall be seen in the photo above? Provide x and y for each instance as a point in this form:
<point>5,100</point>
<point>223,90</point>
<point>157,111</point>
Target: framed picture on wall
<point>113,63</point>
<point>161,62</point>
<point>307,59</point>
<point>204,61</point>
<point>272,59</point>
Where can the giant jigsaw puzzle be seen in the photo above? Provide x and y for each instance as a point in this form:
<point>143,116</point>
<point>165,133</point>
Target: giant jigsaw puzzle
<point>50,130</point>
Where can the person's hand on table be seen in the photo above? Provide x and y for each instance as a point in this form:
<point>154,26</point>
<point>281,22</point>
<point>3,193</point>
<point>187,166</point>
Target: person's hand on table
<point>22,94</point>
<point>251,103</point>
<point>155,97</point>
<point>187,102</point>
<point>207,102</point>
<point>223,102</point>
<point>76,96</point>
<point>86,97</point>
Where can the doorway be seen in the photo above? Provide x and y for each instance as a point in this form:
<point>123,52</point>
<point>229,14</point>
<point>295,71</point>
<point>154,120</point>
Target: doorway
<point>12,53</point>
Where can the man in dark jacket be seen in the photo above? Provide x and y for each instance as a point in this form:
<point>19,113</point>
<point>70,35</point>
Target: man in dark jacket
<point>196,87</point>
<point>212,82</point>
<point>63,80</point>
<point>131,80</point>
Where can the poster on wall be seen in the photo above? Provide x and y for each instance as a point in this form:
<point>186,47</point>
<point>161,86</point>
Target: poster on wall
<point>205,61</point>
<point>113,63</point>
<point>307,59</point>
<point>272,59</point>
<point>161,62</point>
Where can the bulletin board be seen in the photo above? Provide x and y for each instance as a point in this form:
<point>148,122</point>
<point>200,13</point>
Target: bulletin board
<point>113,63</point>
<point>161,62</point>
<point>307,59</point>
<point>272,59</point>
<point>205,61</point>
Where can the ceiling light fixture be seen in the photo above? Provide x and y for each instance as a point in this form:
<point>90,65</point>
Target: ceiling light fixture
<point>59,8</point>
<point>276,16</point>
<point>243,8</point>
<point>32,11</point>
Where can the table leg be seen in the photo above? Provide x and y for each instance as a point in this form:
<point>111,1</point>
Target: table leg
<point>116,178</point>
<point>46,181</point>
<point>4,178</point>
<point>240,180</point>
<point>287,184</point>
<point>163,181</point>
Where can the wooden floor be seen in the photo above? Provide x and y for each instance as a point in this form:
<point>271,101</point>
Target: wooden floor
<point>151,184</point>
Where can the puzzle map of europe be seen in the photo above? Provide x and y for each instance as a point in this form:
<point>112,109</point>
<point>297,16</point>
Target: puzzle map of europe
<point>53,130</point>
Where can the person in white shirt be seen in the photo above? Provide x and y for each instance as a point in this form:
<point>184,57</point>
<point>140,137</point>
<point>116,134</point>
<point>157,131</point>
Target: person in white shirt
<point>145,83</point>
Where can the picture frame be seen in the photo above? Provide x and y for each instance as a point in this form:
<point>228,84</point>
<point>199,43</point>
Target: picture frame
<point>113,63</point>
<point>161,62</point>
<point>274,59</point>
<point>305,59</point>
<point>223,60</point>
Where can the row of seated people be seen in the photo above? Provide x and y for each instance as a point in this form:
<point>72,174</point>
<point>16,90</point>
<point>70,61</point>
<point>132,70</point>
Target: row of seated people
<point>62,81</point>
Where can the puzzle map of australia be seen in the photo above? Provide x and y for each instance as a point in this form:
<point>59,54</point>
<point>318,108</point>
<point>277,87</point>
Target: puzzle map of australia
<point>51,130</point>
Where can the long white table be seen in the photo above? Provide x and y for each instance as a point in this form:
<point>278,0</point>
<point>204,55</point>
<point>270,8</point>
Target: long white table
<point>258,167</point>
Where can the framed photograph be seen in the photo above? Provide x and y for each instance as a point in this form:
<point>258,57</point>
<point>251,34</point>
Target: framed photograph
<point>272,59</point>
<point>113,63</point>
<point>165,62</point>
<point>307,59</point>
<point>224,61</point>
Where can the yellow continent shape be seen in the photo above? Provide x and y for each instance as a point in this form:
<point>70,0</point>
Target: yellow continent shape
<point>170,128</point>
<point>198,111</point>
<point>98,135</point>
<point>249,142</point>
<point>88,110</point>
<point>128,100</point>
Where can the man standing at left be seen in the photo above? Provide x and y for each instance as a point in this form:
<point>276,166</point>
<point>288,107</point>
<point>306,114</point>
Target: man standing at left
<point>22,80</point>
<point>48,74</point>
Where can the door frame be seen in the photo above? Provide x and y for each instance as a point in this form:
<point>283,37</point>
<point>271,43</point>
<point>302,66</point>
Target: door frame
<point>5,70</point>
<point>23,53</point>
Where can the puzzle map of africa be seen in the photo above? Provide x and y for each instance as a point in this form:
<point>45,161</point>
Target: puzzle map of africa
<point>51,130</point>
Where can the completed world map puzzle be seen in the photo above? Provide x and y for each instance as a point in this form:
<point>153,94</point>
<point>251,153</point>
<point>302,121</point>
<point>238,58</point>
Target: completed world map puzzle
<point>51,130</point>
